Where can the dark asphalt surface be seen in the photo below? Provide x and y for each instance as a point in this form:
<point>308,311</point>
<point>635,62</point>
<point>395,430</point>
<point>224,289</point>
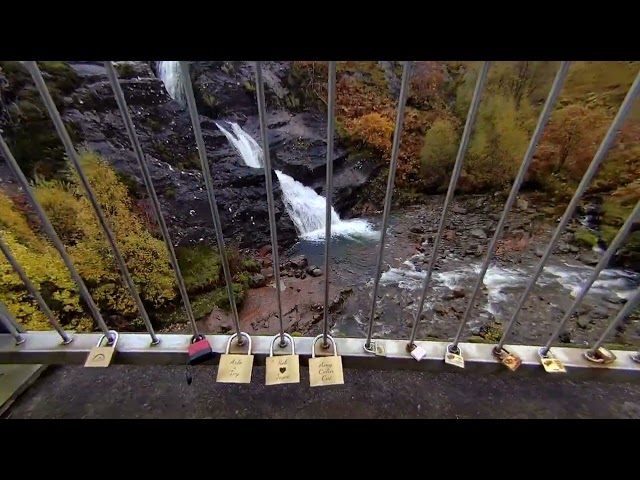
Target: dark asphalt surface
<point>161,392</point>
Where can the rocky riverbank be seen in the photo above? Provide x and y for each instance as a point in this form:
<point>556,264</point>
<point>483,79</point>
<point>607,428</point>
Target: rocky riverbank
<point>463,248</point>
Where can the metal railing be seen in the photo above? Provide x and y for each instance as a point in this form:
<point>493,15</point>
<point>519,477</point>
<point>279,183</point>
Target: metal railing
<point>19,346</point>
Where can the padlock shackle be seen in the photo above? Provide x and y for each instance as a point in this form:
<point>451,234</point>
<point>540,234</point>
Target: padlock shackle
<point>291,342</point>
<point>245,335</point>
<point>113,334</point>
<point>329,338</point>
<point>543,354</point>
<point>452,349</point>
<point>197,338</point>
<point>597,357</point>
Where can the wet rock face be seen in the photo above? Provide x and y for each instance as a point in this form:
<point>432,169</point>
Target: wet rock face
<point>166,135</point>
<point>225,91</point>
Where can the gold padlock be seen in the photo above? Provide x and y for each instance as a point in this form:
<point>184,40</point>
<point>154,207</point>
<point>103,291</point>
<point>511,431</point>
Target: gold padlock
<point>326,370</point>
<point>102,356</point>
<point>549,362</point>
<point>453,356</point>
<point>601,355</point>
<point>282,368</point>
<point>509,360</point>
<point>233,367</point>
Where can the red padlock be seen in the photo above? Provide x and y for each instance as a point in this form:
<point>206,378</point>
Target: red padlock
<point>199,352</point>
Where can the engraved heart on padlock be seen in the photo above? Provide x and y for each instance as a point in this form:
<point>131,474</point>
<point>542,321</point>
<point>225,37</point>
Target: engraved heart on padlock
<point>283,369</point>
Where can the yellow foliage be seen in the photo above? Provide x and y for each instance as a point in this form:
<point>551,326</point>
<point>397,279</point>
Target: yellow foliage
<point>497,145</point>
<point>74,220</point>
<point>47,272</point>
<point>601,84</point>
<point>439,152</point>
<point>373,130</point>
<point>11,219</point>
<point>63,209</point>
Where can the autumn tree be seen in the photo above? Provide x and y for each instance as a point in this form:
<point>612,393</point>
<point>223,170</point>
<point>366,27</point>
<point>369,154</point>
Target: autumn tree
<point>621,169</point>
<point>426,85</point>
<point>527,83</point>
<point>522,80</point>
<point>570,140</point>
<point>373,131</point>
<point>497,144</point>
<point>439,153</point>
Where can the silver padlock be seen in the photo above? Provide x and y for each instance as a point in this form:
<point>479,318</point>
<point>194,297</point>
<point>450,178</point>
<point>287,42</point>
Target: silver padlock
<point>417,351</point>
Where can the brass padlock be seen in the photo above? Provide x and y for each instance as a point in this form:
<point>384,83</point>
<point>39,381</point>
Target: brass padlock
<point>325,370</point>
<point>453,356</point>
<point>601,355</point>
<point>509,360</point>
<point>102,356</point>
<point>233,367</point>
<point>549,362</point>
<point>282,368</point>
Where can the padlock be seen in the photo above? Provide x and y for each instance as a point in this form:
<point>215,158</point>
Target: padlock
<point>377,348</point>
<point>234,367</point>
<point>101,356</point>
<point>549,362</point>
<point>282,368</point>
<point>326,370</point>
<point>416,351</point>
<point>453,356</point>
<point>199,351</point>
<point>601,355</point>
<point>509,360</point>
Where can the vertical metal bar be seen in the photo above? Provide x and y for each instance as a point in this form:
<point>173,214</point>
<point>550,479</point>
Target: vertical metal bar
<point>604,261</point>
<point>151,191</point>
<point>6,313</point>
<point>395,149</point>
<point>528,156</point>
<point>457,168</point>
<point>8,325</point>
<point>75,160</point>
<point>599,157</point>
<point>331,120</point>
<point>202,151</point>
<point>33,291</point>
<point>275,256</point>
<point>624,313</point>
<point>57,243</point>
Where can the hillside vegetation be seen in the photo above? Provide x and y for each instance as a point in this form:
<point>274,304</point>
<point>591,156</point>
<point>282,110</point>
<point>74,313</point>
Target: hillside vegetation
<point>438,102</point>
<point>145,254</point>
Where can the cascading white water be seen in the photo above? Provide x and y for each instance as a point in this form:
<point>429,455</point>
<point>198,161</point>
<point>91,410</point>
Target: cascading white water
<point>169,73</point>
<point>305,207</point>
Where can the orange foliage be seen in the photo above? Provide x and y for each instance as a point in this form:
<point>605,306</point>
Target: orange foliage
<point>368,113</point>
<point>570,141</point>
<point>373,130</point>
<point>355,99</point>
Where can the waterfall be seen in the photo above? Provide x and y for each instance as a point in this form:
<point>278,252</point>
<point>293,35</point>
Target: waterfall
<point>305,207</point>
<point>169,73</point>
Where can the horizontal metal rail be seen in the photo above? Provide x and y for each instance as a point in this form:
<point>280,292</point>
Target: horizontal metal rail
<point>134,349</point>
